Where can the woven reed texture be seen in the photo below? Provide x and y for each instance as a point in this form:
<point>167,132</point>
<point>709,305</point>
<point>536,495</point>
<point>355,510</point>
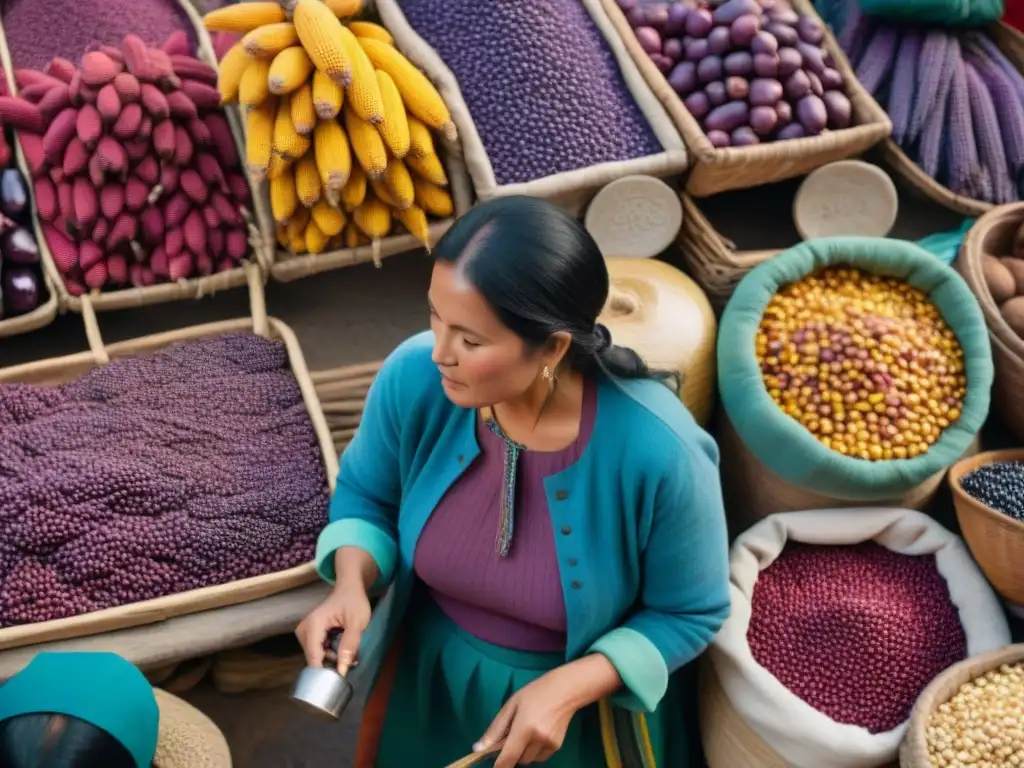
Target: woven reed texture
<point>342,395</point>
<point>241,669</point>
<point>992,234</point>
<point>996,540</point>
<point>914,750</point>
<point>1011,43</point>
<point>717,170</point>
<point>571,190</point>
<point>56,371</point>
<point>711,259</point>
<point>260,222</point>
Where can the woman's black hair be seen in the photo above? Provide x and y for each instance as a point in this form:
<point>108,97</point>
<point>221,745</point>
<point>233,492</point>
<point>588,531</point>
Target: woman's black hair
<point>47,740</point>
<point>542,273</point>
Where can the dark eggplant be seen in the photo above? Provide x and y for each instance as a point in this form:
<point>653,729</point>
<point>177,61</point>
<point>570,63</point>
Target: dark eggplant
<point>13,195</point>
<point>22,290</point>
<point>19,247</point>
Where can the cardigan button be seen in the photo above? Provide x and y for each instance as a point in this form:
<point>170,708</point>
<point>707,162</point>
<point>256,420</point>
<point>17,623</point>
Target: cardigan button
<point>561,495</point>
<point>460,458</point>
<point>577,585</point>
<point>573,561</point>
<point>566,530</point>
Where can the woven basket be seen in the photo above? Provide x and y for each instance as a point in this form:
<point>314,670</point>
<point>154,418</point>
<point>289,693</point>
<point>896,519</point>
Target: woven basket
<point>342,395</point>
<point>242,669</point>
<point>993,234</point>
<point>996,540</point>
<point>1011,43</point>
<point>187,675</point>
<point>261,229</point>
<point>573,189</point>
<point>56,371</point>
<point>711,259</point>
<point>914,750</point>
<point>717,170</point>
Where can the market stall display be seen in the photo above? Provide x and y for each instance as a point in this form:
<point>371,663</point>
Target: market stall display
<point>956,100</point>
<point>155,531</point>
<point>342,394</point>
<point>980,700</point>
<point>866,358</point>
<point>662,314</point>
<point>582,114</point>
<point>751,86</point>
<point>986,257</point>
<point>988,492</point>
<point>344,128</point>
<point>840,618</point>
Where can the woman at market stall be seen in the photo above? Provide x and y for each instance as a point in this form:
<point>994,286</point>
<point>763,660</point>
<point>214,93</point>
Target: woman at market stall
<point>545,512</point>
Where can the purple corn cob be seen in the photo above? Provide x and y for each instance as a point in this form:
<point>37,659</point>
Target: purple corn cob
<point>985,45</point>
<point>1009,108</point>
<point>855,33</point>
<point>935,64</point>
<point>989,140</point>
<point>904,83</point>
<point>933,134</point>
<point>962,156</point>
<point>876,63</point>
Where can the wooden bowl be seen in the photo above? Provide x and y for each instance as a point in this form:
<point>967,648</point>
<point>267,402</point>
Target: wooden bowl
<point>996,540</point>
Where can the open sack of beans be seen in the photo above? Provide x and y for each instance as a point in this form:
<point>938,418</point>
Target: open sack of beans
<point>852,370</point>
<point>840,618</point>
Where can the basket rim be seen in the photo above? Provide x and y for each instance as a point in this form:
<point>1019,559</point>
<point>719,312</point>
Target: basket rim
<point>976,507</point>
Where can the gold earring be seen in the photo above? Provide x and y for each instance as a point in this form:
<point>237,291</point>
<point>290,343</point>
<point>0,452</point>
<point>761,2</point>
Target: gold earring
<point>546,374</point>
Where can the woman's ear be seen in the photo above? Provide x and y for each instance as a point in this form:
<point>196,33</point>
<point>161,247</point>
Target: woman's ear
<point>558,348</point>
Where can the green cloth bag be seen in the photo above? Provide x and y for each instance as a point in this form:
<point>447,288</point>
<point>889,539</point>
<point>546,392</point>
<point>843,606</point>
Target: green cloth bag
<point>953,13</point>
<point>785,446</point>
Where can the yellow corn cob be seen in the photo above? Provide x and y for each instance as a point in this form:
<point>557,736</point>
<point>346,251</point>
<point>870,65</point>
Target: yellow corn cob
<point>362,95</point>
<point>373,217</point>
<point>381,191</point>
<point>307,180</point>
<point>415,220</point>
<point>316,240</point>
<point>320,33</point>
<point>394,128</point>
<point>278,165</point>
<point>328,96</point>
<point>303,113</point>
<point>243,17</point>
<point>283,200</point>
<point>252,88</point>
<point>429,167</point>
<point>367,144</point>
<point>420,141</point>
<point>268,41</point>
<point>399,183</point>
<point>259,136</point>
<point>281,232</point>
<point>371,30</point>
<point>353,237</point>
<point>433,199</point>
<point>419,94</point>
<point>344,8</point>
<point>289,70</point>
<point>288,141</point>
<point>354,191</point>
<point>229,76</point>
<point>333,155</point>
<point>330,220</point>
<point>296,226</point>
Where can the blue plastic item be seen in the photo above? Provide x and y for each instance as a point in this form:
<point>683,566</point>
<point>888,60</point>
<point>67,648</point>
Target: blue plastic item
<point>946,245</point>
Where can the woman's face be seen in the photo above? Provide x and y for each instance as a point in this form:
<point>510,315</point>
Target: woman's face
<point>481,361</point>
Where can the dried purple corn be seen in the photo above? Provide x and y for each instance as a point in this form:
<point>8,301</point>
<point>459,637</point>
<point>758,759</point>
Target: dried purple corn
<point>962,155</point>
<point>929,148</point>
<point>1008,105</point>
<point>877,61</point>
<point>904,83</point>
<point>933,65</point>
<point>855,34</point>
<point>985,44</point>
<point>988,138</point>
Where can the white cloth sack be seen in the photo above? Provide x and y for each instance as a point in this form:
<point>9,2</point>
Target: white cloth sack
<point>802,736</point>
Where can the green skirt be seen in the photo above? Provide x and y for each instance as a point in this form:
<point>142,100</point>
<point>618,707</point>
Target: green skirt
<point>442,687</point>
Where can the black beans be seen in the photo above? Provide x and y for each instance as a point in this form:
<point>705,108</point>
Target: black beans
<point>999,485</point>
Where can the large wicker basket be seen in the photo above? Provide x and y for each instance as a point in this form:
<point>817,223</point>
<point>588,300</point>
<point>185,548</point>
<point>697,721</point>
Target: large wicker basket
<point>572,189</point>
<point>56,371</point>
<point>993,234</point>
<point>914,750</point>
<point>342,394</point>
<point>1011,43</point>
<point>261,230</point>
<point>717,170</point>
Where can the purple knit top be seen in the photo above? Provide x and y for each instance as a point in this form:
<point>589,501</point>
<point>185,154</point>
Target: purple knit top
<point>515,601</point>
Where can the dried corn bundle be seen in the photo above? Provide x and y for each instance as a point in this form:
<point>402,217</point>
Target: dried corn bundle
<point>339,122</point>
<point>147,181</point>
<point>956,103</point>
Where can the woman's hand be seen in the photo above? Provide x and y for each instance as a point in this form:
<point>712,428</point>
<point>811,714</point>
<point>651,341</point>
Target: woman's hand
<point>534,721</point>
<point>346,608</point>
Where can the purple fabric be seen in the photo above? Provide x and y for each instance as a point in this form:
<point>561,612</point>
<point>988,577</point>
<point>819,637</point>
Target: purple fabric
<point>516,601</point>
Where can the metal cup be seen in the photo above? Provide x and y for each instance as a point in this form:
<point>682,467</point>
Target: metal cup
<point>323,691</point>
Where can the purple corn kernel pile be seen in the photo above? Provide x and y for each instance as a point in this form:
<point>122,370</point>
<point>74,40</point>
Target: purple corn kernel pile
<point>856,632</point>
<point>541,84</point>
<point>190,467</point>
<point>40,30</point>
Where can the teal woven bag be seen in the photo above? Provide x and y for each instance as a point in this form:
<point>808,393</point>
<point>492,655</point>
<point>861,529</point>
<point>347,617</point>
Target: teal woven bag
<point>786,447</point>
<point>953,13</point>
